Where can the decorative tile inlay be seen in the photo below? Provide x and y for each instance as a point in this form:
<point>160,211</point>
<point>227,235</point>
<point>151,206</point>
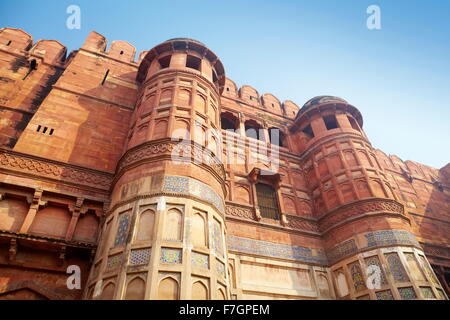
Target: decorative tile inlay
<point>122,230</point>
<point>140,256</point>
<point>407,293</point>
<point>357,276</point>
<point>342,250</point>
<point>217,238</point>
<point>374,261</point>
<point>390,237</point>
<point>384,295</point>
<point>376,238</point>
<point>276,250</point>
<point>188,186</point>
<point>199,260</point>
<point>170,255</point>
<point>114,261</point>
<point>427,293</point>
<point>220,269</point>
<point>396,267</point>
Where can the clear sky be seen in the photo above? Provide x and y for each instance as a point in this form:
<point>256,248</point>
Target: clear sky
<point>398,77</point>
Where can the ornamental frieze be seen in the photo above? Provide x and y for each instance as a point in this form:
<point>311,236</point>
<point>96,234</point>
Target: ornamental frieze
<point>359,208</point>
<point>300,223</point>
<point>240,212</point>
<point>177,152</point>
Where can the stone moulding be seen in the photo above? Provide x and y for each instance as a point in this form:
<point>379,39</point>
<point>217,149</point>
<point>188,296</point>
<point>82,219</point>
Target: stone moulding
<point>359,209</point>
<point>164,150</point>
<point>330,138</point>
<point>56,241</point>
<point>54,170</point>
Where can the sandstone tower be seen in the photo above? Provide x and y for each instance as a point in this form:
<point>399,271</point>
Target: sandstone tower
<point>170,213</point>
<point>159,178</point>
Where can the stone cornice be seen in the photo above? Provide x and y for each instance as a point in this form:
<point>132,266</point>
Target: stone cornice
<point>21,164</point>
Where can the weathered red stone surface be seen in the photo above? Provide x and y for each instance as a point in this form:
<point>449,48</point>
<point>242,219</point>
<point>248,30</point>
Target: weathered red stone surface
<point>77,131</point>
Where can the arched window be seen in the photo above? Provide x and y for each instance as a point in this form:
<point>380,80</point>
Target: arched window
<point>277,137</point>
<point>229,121</point>
<point>254,130</point>
<point>267,201</point>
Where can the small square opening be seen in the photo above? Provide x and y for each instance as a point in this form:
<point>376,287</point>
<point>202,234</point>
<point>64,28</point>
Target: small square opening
<point>193,62</point>
<point>331,122</point>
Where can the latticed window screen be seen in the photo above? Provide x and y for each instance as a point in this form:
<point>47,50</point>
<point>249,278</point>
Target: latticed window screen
<point>267,201</point>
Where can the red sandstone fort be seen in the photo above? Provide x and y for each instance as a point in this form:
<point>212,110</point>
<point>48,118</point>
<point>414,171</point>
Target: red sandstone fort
<point>269,201</point>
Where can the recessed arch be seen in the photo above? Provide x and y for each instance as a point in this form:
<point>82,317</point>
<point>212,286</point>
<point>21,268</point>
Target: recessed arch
<point>146,226</point>
<point>135,289</point>
<point>198,231</point>
<point>173,225</point>
<point>108,291</point>
<point>199,291</point>
<point>168,289</point>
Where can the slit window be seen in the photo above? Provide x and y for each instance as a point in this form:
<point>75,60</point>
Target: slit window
<point>331,122</point>
<point>353,123</point>
<point>164,62</point>
<point>193,62</point>
<point>51,132</point>
<point>308,131</point>
<point>267,201</point>
<point>9,42</point>
<point>45,130</point>
<point>105,77</point>
<point>33,66</point>
<point>38,128</point>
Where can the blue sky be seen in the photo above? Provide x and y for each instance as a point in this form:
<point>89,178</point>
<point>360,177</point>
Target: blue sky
<point>398,77</point>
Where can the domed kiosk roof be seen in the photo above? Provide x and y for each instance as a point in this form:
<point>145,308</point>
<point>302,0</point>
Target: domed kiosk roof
<point>323,99</point>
